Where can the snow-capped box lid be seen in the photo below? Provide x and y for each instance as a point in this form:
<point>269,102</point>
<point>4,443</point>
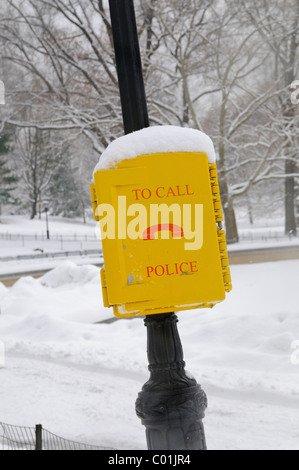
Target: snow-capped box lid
<point>156,139</point>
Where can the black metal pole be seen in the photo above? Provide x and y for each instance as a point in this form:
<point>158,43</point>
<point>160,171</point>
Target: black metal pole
<point>128,64</point>
<point>171,404</point>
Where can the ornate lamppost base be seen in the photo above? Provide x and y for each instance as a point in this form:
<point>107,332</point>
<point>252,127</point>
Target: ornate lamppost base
<point>171,404</point>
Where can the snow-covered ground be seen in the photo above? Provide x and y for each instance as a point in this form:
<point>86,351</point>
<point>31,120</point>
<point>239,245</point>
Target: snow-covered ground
<point>20,224</point>
<point>21,236</point>
<point>24,246</point>
<point>80,378</point>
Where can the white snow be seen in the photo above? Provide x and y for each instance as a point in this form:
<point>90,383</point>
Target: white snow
<point>156,139</point>
<point>2,288</point>
<point>19,224</point>
<point>13,269</point>
<point>20,236</point>
<point>80,378</point>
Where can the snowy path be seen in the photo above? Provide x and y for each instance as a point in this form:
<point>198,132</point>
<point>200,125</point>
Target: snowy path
<point>95,405</point>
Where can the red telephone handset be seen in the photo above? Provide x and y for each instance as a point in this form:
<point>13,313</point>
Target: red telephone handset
<point>176,230</point>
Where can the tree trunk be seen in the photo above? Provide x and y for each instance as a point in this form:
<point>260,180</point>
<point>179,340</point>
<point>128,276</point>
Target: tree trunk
<point>232,235</point>
<point>33,210</point>
<point>290,196</point>
<point>185,109</point>
<point>250,211</point>
<point>289,113</point>
<point>83,212</point>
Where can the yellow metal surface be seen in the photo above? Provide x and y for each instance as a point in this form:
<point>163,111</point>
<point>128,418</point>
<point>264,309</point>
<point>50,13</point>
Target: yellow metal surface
<point>94,200</point>
<point>150,266</point>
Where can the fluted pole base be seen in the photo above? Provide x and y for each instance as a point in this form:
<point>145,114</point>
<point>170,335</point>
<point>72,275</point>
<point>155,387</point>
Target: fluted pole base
<point>171,404</point>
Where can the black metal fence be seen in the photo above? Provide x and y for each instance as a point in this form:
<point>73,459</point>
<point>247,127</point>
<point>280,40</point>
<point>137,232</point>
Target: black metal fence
<point>37,438</point>
<point>67,237</point>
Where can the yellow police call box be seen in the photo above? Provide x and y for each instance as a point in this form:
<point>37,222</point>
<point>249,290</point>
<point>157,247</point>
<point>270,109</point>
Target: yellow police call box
<point>160,213</point>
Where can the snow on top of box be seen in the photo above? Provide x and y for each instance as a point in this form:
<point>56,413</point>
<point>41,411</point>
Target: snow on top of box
<point>156,139</point>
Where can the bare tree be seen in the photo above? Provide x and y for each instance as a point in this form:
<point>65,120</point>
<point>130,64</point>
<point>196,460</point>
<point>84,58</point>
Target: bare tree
<point>65,48</point>
<point>37,160</point>
<point>206,65</point>
<point>212,57</point>
<point>278,25</point>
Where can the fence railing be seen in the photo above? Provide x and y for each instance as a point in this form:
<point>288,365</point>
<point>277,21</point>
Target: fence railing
<point>246,235</point>
<point>37,438</point>
<point>73,237</point>
<point>265,236</point>
<point>58,254</point>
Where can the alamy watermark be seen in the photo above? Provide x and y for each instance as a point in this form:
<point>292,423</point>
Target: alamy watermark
<point>2,354</point>
<point>295,93</point>
<point>152,221</point>
<point>295,354</point>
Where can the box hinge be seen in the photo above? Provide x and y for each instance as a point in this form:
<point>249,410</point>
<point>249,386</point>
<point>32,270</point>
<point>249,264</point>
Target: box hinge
<point>221,233</point>
<point>94,201</point>
<point>215,192</point>
<point>224,261</point>
<point>104,288</point>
